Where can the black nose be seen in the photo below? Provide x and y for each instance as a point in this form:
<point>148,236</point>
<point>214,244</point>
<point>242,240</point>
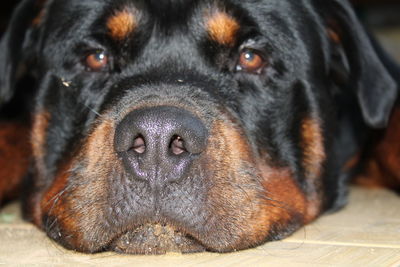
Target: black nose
<point>158,144</point>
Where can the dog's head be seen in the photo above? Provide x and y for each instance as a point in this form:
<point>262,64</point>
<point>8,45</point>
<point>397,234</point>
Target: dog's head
<point>189,125</point>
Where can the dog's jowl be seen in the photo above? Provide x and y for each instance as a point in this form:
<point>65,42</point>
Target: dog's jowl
<point>153,126</point>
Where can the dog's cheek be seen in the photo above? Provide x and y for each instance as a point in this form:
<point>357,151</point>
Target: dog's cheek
<point>250,201</point>
<point>72,216</point>
<point>72,209</point>
<point>55,216</point>
<point>232,188</point>
<point>284,206</point>
<point>285,202</point>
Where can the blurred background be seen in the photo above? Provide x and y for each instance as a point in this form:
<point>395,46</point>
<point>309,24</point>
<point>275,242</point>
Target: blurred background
<point>381,16</point>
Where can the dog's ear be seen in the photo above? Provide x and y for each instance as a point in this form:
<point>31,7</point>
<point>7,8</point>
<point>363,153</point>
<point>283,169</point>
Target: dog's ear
<point>369,73</point>
<point>15,45</point>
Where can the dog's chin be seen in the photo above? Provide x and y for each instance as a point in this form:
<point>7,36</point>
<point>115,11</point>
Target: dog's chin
<point>155,239</point>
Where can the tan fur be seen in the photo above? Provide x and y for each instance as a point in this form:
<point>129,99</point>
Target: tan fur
<point>312,143</point>
<point>313,147</point>
<point>222,28</point>
<point>38,139</point>
<point>15,154</point>
<point>122,23</point>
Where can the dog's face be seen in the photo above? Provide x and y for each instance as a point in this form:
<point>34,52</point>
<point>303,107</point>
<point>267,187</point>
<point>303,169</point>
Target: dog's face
<point>189,125</point>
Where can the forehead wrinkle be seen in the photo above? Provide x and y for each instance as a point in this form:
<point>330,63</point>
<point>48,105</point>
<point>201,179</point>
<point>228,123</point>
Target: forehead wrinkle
<point>122,23</point>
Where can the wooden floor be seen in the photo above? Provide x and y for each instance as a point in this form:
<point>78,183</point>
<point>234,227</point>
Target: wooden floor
<point>365,233</point>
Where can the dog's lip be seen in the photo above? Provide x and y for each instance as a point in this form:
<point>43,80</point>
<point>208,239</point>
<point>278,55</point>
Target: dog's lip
<point>155,238</point>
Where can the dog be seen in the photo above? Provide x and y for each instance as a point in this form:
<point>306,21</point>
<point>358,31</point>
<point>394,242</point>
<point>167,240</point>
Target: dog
<point>145,127</point>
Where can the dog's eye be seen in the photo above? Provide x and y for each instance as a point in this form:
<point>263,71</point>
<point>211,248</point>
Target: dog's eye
<point>96,61</point>
<point>250,61</point>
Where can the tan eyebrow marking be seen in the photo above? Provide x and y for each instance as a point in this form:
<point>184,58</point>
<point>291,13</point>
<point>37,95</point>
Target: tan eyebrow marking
<point>122,23</point>
<point>222,28</point>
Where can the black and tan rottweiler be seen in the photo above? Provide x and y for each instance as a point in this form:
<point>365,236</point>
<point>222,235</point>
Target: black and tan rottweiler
<point>147,126</point>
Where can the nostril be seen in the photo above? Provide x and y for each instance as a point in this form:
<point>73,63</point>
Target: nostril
<point>139,145</point>
<point>177,145</point>
<point>159,144</point>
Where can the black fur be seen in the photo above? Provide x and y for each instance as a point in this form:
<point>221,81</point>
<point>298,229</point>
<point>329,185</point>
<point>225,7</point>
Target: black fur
<point>349,87</point>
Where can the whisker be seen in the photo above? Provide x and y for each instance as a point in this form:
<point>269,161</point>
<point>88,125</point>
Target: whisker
<point>92,110</point>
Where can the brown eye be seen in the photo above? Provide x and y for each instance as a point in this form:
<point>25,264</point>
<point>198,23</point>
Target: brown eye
<point>250,61</point>
<point>97,61</point>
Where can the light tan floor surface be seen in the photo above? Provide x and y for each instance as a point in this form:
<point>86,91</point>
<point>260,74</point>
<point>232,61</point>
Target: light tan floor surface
<point>365,233</point>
